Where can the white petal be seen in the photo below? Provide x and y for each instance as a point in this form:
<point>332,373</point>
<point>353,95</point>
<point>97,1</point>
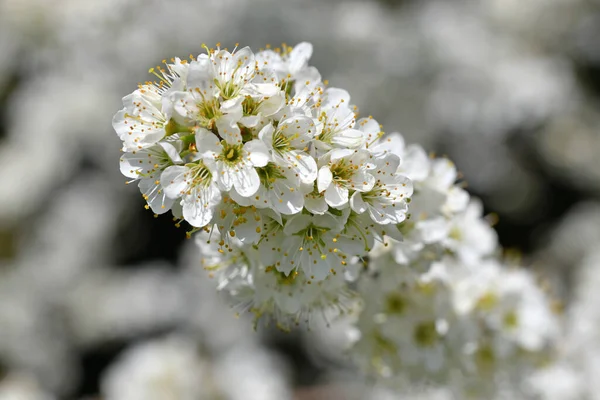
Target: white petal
<point>171,151</point>
<point>224,177</point>
<point>298,126</point>
<point>200,75</point>
<point>317,264</point>
<point>243,63</point>
<point>324,179</point>
<point>297,223</point>
<point>316,205</point>
<point>357,203</point>
<point>457,199</point>
<point>241,200</point>
<point>382,216</point>
<point>207,143</point>
<point>198,212</point>
<point>391,143</point>
<point>291,261</point>
<point>287,199</point>
<point>184,104</point>
<point>137,134</point>
<point>258,153</point>
<point>233,108</point>
<point>156,196</point>
<point>334,97</point>
<point>415,163</point>
<point>308,74</point>
<point>137,165</point>
<point>362,181</point>
<point>250,121</point>
<point>229,130</point>
<point>369,127</point>
<point>271,105</point>
<point>266,135</point>
<point>337,154</point>
<point>246,229</point>
<point>351,138</point>
<point>336,196</point>
<point>177,210</point>
<point>173,180</point>
<point>299,57</point>
<point>245,179</point>
<point>304,165</point>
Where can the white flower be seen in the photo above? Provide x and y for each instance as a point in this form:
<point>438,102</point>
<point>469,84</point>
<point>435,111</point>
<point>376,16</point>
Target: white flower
<point>142,122</point>
<point>257,110</point>
<point>405,320</point>
<point>505,303</point>
<point>220,82</point>
<point>289,145</point>
<point>235,161</point>
<point>336,123</point>
<point>558,382</point>
<point>289,63</point>
<point>469,235</point>
<point>243,223</point>
<point>195,184</point>
<point>386,202</point>
<point>415,163</point>
<point>162,369</point>
<point>279,190</point>
<point>371,131</point>
<point>147,165</point>
<point>345,170</point>
<point>309,243</point>
<point>314,201</point>
<point>296,298</point>
<point>255,284</point>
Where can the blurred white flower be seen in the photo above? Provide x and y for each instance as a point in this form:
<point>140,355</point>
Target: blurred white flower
<point>169,368</point>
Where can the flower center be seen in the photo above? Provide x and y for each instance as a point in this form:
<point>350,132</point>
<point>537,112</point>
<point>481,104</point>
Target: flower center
<point>282,278</point>
<point>198,175</point>
<point>395,304</point>
<point>250,106</point>
<point>510,320</point>
<point>281,143</point>
<point>456,234</point>
<point>487,302</point>
<point>425,334</point>
<point>173,127</point>
<point>229,89</point>
<point>208,113</point>
<point>377,192</point>
<point>342,171</point>
<point>329,129</point>
<point>232,153</point>
<point>287,85</point>
<point>269,174</point>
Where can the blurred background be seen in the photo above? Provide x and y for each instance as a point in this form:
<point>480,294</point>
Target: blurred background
<point>93,288</point>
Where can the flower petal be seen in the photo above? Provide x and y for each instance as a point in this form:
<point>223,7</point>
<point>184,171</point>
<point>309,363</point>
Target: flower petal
<point>324,179</point>
<point>357,203</point>
<point>258,153</point>
<point>245,179</point>
<point>336,196</point>
<point>173,180</point>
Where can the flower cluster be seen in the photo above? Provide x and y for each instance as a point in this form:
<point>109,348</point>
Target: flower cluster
<point>438,306</point>
<point>300,208</point>
<point>255,150</point>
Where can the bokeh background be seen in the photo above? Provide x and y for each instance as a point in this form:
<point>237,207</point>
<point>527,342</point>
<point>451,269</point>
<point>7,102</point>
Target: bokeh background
<point>508,89</point>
